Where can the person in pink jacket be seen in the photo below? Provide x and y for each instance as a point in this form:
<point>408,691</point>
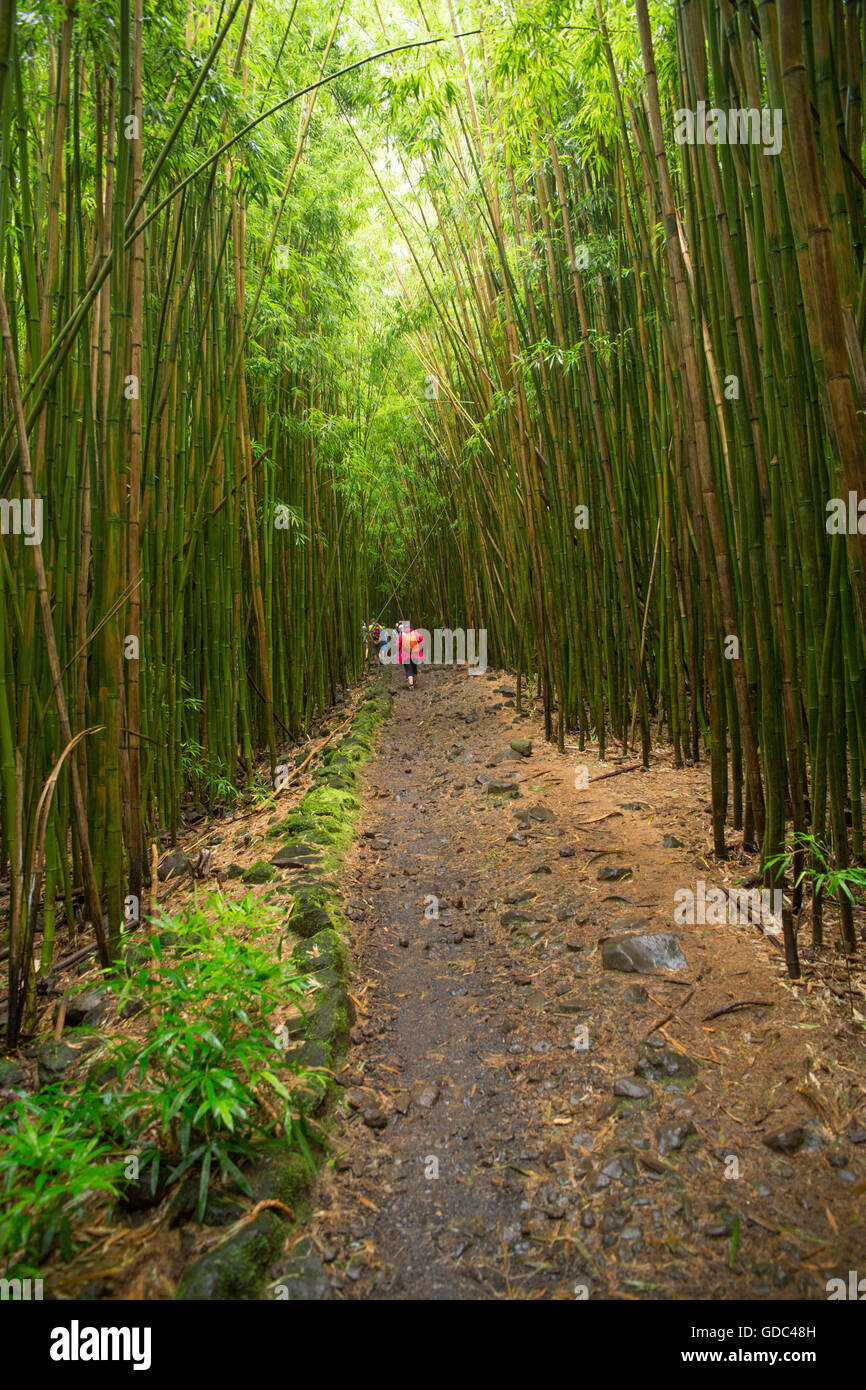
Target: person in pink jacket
<point>410,650</point>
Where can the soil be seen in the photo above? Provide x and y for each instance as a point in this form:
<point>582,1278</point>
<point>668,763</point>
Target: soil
<point>480,1149</point>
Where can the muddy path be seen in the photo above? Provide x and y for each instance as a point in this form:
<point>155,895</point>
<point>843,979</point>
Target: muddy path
<point>517,1121</point>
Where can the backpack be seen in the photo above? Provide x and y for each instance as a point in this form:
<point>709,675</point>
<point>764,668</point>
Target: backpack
<point>416,644</point>
<point>375,631</point>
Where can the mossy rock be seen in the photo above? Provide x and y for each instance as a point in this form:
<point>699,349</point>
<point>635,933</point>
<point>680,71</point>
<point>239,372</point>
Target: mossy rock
<point>10,1075</point>
<point>296,854</point>
<point>334,777</point>
<point>330,801</point>
<point>296,823</point>
<point>53,1060</point>
<point>260,872</point>
<point>235,1269</point>
<point>281,1177</point>
<point>302,1277</point>
<point>326,1026</point>
<point>315,909</point>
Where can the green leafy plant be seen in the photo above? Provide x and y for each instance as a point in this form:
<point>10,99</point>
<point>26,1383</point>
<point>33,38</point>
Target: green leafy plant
<point>825,878</point>
<point>53,1159</point>
<point>206,1079</point>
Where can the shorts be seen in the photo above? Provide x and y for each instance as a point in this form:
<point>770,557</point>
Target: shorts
<point>411,668</point>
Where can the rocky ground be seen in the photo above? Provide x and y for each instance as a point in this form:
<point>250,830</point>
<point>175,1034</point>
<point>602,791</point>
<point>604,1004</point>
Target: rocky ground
<point>517,1118</point>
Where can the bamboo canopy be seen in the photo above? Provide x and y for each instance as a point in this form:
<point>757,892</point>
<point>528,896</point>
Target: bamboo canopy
<point>548,321</point>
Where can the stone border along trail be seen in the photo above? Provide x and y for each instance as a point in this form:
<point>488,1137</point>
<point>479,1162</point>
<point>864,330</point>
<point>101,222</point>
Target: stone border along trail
<point>479,1150</point>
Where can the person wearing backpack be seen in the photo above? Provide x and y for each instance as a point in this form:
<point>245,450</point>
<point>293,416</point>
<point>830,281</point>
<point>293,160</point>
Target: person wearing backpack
<point>410,650</point>
<point>378,638</point>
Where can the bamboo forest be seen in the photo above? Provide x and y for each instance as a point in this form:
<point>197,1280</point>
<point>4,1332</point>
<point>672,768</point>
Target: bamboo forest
<point>433,664</point>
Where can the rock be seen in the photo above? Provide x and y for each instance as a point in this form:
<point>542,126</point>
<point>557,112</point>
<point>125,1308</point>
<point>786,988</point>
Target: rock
<point>516,838</point>
<point>357,1098</point>
<point>234,871</point>
<point>520,895</point>
<point>787,1141</point>
<point>610,874</point>
<point>427,1096</point>
<point>523,746</point>
<point>281,1177</point>
<point>636,994</point>
<point>632,1090</point>
<point>296,855</point>
<point>643,954</point>
<point>566,852</point>
<point>857,1136</point>
<point>131,1008</point>
<point>572,943</point>
<point>374,1118</point>
<point>303,1278</point>
<point>166,939</point>
<point>11,1075</point>
<point>665,1063</point>
<point>541,813</point>
<point>403,941</point>
<point>234,1269</point>
<point>326,1026</point>
<point>86,1008</point>
<point>134,956</point>
<point>260,872</point>
<point>514,919</point>
<point>573,1004</point>
<point>671,842</point>
<point>173,866</point>
<point>53,1059</point>
<point>220,1210</point>
<point>674,1136</point>
<point>497,788</point>
<point>634,806</point>
<point>313,905</point>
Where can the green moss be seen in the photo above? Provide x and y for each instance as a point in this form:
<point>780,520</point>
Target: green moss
<point>281,1177</point>
<point>237,1267</point>
<point>260,872</point>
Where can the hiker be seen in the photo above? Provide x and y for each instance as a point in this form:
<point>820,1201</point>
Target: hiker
<point>410,650</point>
<point>365,640</point>
<point>379,635</point>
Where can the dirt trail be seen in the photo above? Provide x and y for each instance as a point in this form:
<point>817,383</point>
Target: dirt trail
<point>520,1122</point>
